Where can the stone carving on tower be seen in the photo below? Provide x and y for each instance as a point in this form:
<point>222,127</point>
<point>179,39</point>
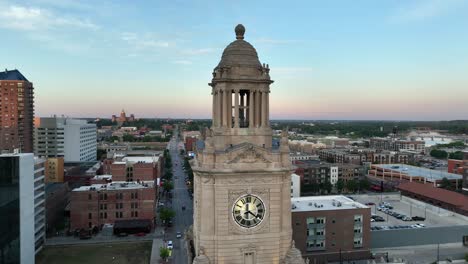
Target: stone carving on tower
<point>242,205</point>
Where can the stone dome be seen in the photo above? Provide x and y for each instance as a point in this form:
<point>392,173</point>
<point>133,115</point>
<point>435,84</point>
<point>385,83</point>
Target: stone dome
<point>294,255</point>
<point>239,52</point>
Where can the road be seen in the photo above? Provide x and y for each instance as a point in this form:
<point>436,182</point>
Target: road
<point>183,218</point>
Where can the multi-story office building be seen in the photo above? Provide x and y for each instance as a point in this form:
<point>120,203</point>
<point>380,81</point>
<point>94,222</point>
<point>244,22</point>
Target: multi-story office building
<point>313,173</point>
<point>16,112</point>
<point>73,139</point>
<point>22,207</point>
<point>465,173</point>
<point>360,156</point>
<point>331,228</point>
<point>99,204</point>
<point>397,144</point>
<point>133,168</point>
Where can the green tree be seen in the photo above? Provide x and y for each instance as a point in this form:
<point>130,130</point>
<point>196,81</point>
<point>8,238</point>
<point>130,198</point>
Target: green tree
<point>445,183</point>
<point>114,138</point>
<point>168,174</point>
<point>128,138</point>
<point>458,155</point>
<point>351,185</point>
<point>340,185</point>
<point>164,253</point>
<point>168,185</point>
<point>439,154</point>
<point>166,214</point>
<point>101,153</point>
<point>327,186</point>
<point>364,184</point>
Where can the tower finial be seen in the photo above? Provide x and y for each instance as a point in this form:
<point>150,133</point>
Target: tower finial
<point>240,30</point>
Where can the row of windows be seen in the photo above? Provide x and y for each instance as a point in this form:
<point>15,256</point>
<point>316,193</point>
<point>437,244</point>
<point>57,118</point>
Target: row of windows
<point>319,244</point>
<point>119,196</point>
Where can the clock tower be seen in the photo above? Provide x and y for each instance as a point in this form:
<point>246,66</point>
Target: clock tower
<point>242,180</point>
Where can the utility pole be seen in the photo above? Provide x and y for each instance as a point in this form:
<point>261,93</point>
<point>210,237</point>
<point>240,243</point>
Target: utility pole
<point>438,254</point>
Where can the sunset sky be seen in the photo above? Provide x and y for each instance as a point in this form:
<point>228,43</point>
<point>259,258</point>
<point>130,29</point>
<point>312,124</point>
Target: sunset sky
<point>392,60</point>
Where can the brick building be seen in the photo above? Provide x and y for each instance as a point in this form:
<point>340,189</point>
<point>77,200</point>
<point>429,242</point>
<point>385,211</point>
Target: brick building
<point>359,156</point>
<point>316,172</point>
<point>16,112</point>
<point>133,168</point>
<point>455,166</point>
<point>190,143</point>
<point>394,174</point>
<point>397,144</point>
<point>327,228</point>
<point>445,199</point>
<point>99,204</point>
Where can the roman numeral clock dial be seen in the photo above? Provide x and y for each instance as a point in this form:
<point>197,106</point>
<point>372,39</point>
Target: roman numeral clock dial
<point>248,211</point>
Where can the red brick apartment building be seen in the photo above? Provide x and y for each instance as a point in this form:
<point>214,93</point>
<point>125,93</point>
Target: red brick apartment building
<point>327,228</point>
<point>133,168</point>
<point>16,112</point>
<point>101,204</point>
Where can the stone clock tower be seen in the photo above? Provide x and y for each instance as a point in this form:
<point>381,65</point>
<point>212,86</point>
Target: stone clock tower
<point>242,204</point>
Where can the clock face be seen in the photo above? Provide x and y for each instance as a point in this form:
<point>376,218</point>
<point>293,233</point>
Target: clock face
<point>248,211</point>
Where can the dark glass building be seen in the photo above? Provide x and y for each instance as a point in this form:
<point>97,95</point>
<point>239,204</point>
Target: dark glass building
<point>9,210</point>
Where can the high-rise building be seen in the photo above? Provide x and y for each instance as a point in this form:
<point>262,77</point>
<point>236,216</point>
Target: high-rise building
<point>73,139</point>
<point>242,204</point>
<point>22,207</point>
<point>16,112</point>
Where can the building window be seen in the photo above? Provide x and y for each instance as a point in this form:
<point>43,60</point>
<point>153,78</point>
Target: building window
<point>90,216</point>
<point>358,218</point>
<point>358,242</point>
<point>90,196</point>
<point>357,230</point>
<point>320,220</point>
<point>310,220</point>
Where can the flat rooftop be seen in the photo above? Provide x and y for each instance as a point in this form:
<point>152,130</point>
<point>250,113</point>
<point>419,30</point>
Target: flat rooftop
<point>141,159</point>
<point>117,185</point>
<point>413,171</point>
<point>324,203</point>
<point>103,177</point>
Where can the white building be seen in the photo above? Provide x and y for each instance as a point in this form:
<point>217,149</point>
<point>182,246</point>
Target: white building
<point>73,139</point>
<point>295,185</point>
<point>333,175</point>
<point>22,206</point>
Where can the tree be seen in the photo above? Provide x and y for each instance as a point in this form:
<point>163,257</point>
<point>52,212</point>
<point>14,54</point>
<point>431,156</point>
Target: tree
<point>166,214</point>
<point>439,154</point>
<point>458,155</point>
<point>340,185</point>
<point>364,184</point>
<point>164,253</point>
<point>445,183</point>
<point>168,185</point>
<point>168,175</point>
<point>114,138</point>
<point>327,186</point>
<point>128,138</point>
<point>100,153</point>
<point>351,185</point>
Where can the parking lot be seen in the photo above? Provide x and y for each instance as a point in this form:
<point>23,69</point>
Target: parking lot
<point>404,208</point>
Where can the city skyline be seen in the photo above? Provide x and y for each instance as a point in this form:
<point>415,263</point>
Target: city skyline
<point>385,61</point>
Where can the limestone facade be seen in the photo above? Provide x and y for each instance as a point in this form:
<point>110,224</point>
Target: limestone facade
<point>239,160</point>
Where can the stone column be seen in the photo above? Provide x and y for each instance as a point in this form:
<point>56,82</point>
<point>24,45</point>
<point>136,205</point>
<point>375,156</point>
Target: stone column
<point>236,108</point>
<point>219,108</point>
<point>264,109</point>
<point>251,109</point>
<point>229,106</point>
<point>213,114</point>
<point>268,108</point>
<point>257,109</point>
<point>225,109</point>
<point>242,105</point>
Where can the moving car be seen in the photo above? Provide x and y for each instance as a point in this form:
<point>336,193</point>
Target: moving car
<point>179,235</point>
<point>170,245</point>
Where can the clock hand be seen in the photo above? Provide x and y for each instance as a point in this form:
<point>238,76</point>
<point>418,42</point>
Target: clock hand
<point>251,214</point>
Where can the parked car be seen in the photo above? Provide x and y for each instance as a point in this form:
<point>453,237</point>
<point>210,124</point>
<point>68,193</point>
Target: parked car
<point>122,234</point>
<point>418,218</point>
<point>179,235</point>
<point>170,245</point>
<point>406,218</point>
<point>421,225</point>
<point>370,203</point>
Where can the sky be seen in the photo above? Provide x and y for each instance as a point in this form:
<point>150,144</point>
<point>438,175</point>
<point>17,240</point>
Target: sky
<point>346,60</point>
